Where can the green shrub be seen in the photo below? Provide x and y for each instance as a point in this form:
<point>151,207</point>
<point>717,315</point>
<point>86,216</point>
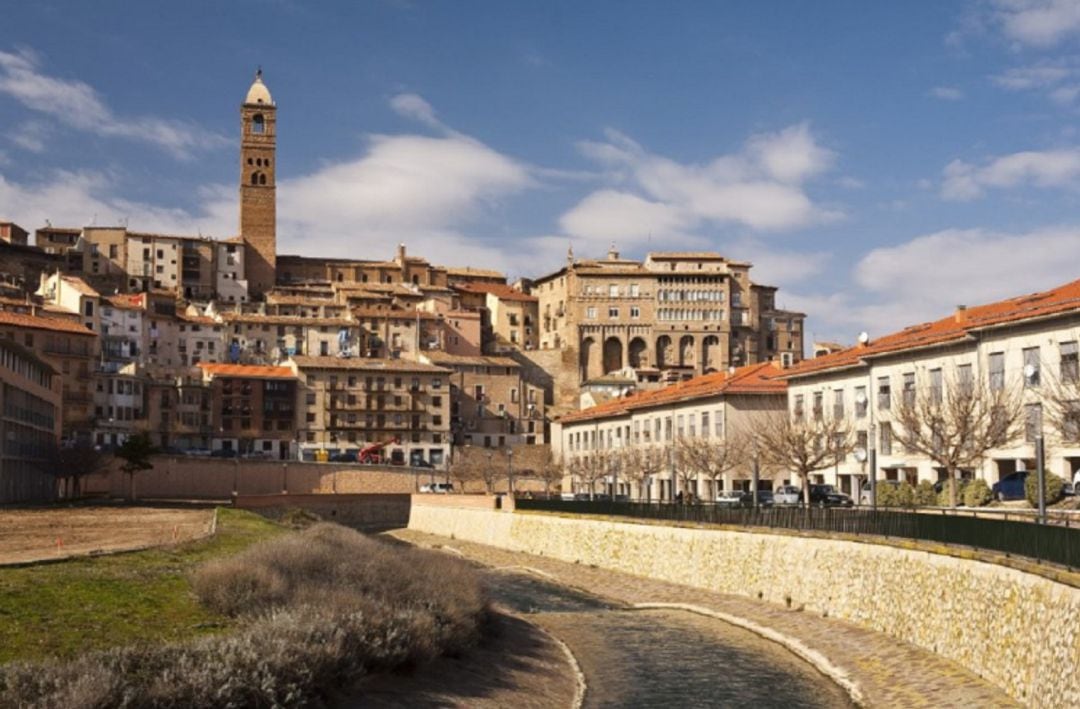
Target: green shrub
<point>976,493</point>
<point>943,496</point>
<point>886,494</point>
<point>904,495</point>
<point>1053,488</point>
<point>924,494</point>
<point>322,607</point>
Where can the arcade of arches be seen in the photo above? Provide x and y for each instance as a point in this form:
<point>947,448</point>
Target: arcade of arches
<point>600,355</point>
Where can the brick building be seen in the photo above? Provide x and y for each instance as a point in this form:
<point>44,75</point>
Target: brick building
<point>253,409</point>
<point>348,403</point>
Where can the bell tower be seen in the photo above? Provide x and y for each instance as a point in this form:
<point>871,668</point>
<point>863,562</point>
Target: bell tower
<point>258,195</point>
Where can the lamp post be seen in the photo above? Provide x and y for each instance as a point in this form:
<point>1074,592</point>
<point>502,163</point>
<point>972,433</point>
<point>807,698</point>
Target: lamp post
<point>488,472</point>
<point>873,466</point>
<point>1040,462</point>
<point>510,470</point>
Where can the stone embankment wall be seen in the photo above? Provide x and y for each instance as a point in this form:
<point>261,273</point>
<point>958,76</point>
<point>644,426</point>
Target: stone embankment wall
<point>356,511</point>
<point>1019,631</point>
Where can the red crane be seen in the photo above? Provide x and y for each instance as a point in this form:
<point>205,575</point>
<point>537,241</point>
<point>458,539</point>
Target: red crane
<point>373,453</point>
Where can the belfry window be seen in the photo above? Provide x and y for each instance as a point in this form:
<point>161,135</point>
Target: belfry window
<point>262,179</point>
<point>257,125</point>
<point>254,178</point>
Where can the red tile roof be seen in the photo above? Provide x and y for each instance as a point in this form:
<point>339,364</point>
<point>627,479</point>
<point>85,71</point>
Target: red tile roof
<point>499,290</point>
<point>960,325</point>
<point>34,322</point>
<point>753,379</point>
<point>250,371</point>
<point>136,301</point>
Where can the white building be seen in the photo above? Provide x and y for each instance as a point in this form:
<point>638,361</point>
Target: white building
<point>1026,343</point>
<point>711,406</point>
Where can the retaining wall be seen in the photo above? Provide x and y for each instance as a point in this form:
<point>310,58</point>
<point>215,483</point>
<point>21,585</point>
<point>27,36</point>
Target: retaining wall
<point>357,511</point>
<point>1019,631</point>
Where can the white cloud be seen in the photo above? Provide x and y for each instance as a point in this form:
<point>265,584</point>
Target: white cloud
<point>1037,76</point>
<point>1051,168</point>
<point>760,187</point>
<point>947,93</point>
<point>1038,23</point>
<point>30,136</point>
<point>415,107</point>
<point>77,105</point>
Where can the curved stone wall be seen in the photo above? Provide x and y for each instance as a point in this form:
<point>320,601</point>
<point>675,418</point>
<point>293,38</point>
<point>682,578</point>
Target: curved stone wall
<point>1020,631</point>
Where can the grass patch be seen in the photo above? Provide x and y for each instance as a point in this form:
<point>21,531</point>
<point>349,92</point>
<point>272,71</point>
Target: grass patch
<point>70,607</point>
<point>317,611</point>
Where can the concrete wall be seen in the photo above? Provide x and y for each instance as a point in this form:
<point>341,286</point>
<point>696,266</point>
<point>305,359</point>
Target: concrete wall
<point>357,511</point>
<point>217,478</point>
<point>1020,631</point>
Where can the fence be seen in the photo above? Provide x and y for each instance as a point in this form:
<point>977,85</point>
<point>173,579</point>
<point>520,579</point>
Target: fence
<point>1059,544</point>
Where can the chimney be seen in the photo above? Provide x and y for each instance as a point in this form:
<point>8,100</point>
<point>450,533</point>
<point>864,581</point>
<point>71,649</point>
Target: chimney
<point>400,254</point>
<point>961,313</point>
<point>612,254</point>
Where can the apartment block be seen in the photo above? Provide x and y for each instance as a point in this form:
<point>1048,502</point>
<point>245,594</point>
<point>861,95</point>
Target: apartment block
<point>30,424</point>
<point>253,409</point>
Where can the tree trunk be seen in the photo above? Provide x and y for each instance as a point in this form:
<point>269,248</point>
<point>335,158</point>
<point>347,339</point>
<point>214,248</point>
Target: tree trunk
<point>805,488</point>
<point>952,487</point>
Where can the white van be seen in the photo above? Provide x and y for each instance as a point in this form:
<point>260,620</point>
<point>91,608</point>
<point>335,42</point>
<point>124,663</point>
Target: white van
<point>437,488</point>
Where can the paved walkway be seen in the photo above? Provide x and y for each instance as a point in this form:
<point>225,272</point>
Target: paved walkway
<point>885,672</point>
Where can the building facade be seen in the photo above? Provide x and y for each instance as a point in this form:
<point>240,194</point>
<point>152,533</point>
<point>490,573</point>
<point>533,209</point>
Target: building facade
<point>30,424</point>
<point>252,409</point>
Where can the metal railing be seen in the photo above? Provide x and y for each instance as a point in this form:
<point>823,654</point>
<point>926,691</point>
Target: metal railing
<point>1054,543</point>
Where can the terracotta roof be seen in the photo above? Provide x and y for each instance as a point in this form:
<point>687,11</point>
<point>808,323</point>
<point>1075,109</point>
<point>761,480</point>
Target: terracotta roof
<point>367,364</point>
<point>499,290</point>
<point>122,301</point>
<point>961,325</point>
<point>474,272</point>
<point>393,314</point>
<point>250,371</point>
<point>753,379</point>
<point>685,256</point>
<point>200,319</point>
<point>79,285</point>
<point>254,319</point>
<point>34,322</point>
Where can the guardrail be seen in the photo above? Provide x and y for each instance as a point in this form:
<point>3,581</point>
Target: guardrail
<point>1058,544</point>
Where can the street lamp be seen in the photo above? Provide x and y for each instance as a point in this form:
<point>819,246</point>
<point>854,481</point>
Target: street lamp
<point>510,470</point>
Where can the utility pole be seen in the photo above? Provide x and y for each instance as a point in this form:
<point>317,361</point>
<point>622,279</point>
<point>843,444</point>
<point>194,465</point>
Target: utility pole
<point>1040,462</point>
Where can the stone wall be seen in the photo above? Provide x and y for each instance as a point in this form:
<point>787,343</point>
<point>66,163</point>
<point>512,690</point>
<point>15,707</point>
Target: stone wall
<point>1020,631</point>
<point>216,478</point>
<point>357,511</point>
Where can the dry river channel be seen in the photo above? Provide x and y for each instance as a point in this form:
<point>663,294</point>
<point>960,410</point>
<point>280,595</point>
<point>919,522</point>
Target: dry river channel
<point>662,658</point>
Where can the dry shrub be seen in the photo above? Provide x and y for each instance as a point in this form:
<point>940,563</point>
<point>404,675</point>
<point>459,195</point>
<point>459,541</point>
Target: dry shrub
<point>321,608</point>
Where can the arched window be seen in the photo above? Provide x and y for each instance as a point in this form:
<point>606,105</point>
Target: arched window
<point>254,178</point>
<point>262,179</point>
<point>257,125</point>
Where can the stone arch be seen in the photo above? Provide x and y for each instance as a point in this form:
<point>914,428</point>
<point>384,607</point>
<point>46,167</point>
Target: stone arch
<point>613,351</point>
<point>665,352</point>
<point>591,363</point>
<point>258,125</point>
<point>710,354</point>
<point>638,353</point>
<point>686,351</point>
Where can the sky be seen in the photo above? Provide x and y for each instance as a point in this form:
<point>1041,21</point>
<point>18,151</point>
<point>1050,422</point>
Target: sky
<point>880,163</point>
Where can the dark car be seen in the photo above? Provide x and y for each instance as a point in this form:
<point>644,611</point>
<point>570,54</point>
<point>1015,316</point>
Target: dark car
<point>223,453</point>
<point>346,457</point>
<point>1010,487</point>
<point>764,499</point>
<point>828,496</point>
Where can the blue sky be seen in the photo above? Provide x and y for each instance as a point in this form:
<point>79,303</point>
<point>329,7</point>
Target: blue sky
<point>879,162</point>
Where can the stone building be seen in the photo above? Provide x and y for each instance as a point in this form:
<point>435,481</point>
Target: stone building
<point>491,403</point>
<point>350,402</point>
<point>30,423</point>
<point>671,316</point>
<point>179,409</point>
<point>14,234</point>
<point>70,349</point>
<point>509,315</point>
<point>253,409</point>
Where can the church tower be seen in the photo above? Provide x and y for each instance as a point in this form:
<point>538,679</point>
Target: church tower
<point>258,196</point>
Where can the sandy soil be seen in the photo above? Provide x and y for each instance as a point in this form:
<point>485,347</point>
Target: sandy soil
<point>33,535</point>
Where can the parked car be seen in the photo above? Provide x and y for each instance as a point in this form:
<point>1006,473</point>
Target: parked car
<point>223,453</point>
<point>765,498</point>
<point>437,488</point>
<point>729,498</point>
<point>787,495</point>
<point>421,463</point>
<point>829,496</point>
<point>1010,487</point>
<point>343,457</point>
<point>864,491</point>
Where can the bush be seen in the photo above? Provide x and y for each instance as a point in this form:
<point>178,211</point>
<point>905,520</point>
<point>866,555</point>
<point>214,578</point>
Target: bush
<point>322,608</point>
<point>961,489</point>
<point>976,493</point>
<point>924,494</point>
<point>904,495</point>
<point>886,494</point>
<point>1053,488</point>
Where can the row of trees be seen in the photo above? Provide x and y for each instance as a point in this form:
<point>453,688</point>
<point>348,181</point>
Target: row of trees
<point>955,428</point>
<point>70,463</point>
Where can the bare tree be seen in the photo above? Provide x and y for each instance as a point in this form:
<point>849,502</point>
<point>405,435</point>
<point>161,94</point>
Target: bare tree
<point>642,463</point>
<point>800,446</point>
<point>550,470</point>
<point>957,427</point>
<point>1061,403</point>
<point>463,471</point>
<point>71,463</point>
<point>710,457</point>
<point>591,468</point>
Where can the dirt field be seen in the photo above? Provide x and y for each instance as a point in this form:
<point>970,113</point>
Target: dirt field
<point>32,535</point>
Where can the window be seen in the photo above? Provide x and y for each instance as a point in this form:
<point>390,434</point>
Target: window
<point>884,393</point>
<point>860,402</point>
<point>681,425</point>
<point>613,313</point>
<point>635,312</point>
<point>513,395</point>
<point>798,411</point>
<point>862,441</point>
<point>1031,367</point>
<point>965,379</point>
<point>936,386</point>
<point>88,308</point>
<point>997,371</point>
<point>634,290</point>
<point>1070,362</point>
<point>1032,422</point>
<point>1071,421</point>
<point>886,439</point>
<point>705,424</point>
<point>718,424</point>
<point>590,313</point>
<point>613,291</point>
<point>909,389</point>
<point>838,404</point>
<point>818,405</point>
